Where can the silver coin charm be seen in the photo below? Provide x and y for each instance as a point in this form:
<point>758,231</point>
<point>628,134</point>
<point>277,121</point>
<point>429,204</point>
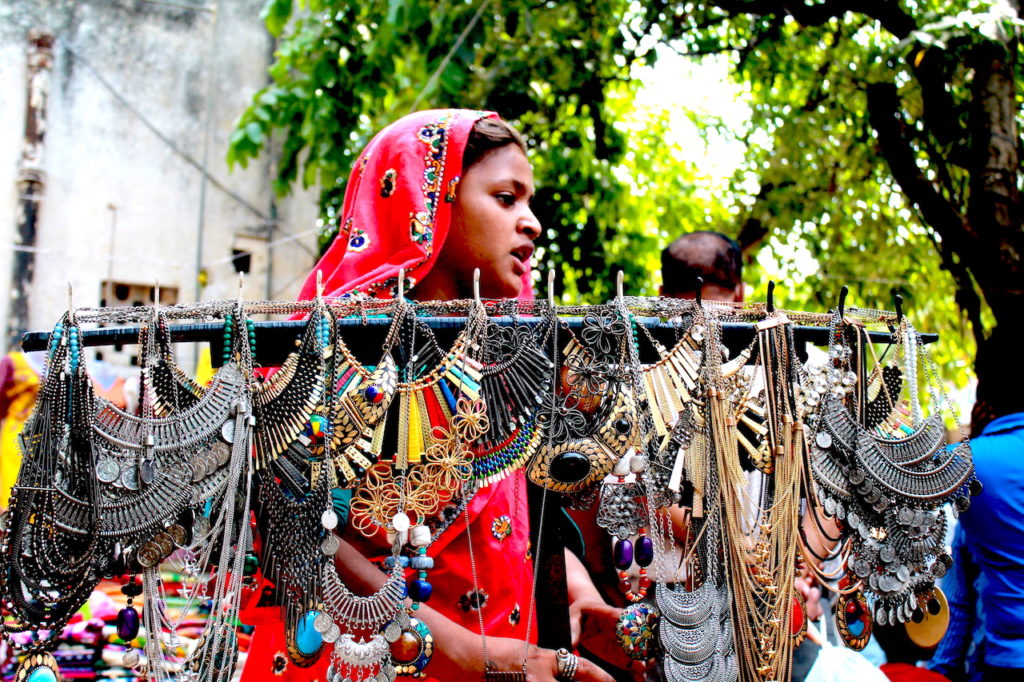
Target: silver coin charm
<point>400,522</point>
<point>198,469</point>
<point>210,462</point>
<point>392,632</point>
<point>130,658</point>
<point>222,452</point>
<point>330,545</point>
<point>107,470</point>
<point>322,623</point>
<point>823,439</point>
<point>227,431</point>
<point>201,527</point>
<point>329,519</point>
<point>130,478</point>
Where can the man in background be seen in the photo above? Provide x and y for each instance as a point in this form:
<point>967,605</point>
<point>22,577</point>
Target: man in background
<point>712,256</point>
<point>985,639</point>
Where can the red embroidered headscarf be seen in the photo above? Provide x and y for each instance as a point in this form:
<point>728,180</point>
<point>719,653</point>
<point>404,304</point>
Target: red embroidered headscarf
<point>398,206</point>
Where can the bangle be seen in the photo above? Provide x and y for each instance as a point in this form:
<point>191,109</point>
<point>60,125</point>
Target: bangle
<point>503,675</point>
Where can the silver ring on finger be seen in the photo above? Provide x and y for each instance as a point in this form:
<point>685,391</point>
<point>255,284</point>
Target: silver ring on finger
<point>567,663</point>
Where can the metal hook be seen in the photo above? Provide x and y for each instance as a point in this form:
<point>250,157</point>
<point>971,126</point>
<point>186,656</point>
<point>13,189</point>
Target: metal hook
<point>319,284</point>
<point>476,285</point>
<point>842,300</point>
<point>770,306</point>
<point>618,285</point>
<point>551,287</point>
<point>156,296</point>
<point>241,285</point>
<point>401,285</point>
<point>71,307</point>
<point>898,300</point>
<point>700,287</point>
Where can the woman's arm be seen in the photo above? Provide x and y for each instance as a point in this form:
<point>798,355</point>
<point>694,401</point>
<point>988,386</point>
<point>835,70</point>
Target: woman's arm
<point>457,650</point>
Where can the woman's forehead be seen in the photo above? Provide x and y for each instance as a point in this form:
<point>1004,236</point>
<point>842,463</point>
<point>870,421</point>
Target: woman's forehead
<point>507,163</point>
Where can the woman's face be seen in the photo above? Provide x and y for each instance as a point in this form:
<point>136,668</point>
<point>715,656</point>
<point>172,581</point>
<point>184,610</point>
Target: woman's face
<point>492,228</point>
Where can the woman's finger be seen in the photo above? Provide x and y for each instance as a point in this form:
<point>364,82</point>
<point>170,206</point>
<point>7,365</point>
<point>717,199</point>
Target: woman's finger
<point>589,672</point>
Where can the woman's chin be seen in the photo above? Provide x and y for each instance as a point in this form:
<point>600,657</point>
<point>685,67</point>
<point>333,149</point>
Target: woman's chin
<point>507,288</point>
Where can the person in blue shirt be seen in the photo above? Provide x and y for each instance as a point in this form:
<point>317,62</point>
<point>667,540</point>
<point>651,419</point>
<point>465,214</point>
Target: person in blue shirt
<point>985,639</point>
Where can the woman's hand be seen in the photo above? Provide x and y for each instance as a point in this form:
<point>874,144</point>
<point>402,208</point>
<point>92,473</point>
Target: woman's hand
<point>592,620</point>
<point>541,665</point>
<point>593,629</point>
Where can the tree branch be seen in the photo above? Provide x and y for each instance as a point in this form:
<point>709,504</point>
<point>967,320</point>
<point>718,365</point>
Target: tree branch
<point>935,209</point>
<point>994,207</point>
<point>938,109</point>
<point>888,13</point>
<point>966,296</point>
<point>884,116</point>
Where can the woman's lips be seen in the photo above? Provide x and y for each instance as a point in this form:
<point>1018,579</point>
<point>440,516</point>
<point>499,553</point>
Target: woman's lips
<point>520,266</point>
<point>521,259</point>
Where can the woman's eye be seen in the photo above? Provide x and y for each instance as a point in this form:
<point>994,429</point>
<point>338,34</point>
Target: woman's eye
<point>506,199</point>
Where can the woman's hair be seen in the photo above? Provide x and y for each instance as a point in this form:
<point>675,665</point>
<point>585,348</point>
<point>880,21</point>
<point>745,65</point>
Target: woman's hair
<point>487,135</point>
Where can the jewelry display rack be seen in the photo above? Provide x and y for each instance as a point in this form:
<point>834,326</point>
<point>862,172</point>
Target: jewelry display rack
<point>276,339</point>
<point>365,336</point>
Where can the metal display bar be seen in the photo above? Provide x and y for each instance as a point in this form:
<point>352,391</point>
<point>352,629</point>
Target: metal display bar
<point>275,339</point>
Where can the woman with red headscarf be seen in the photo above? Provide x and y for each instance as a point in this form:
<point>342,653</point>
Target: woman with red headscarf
<point>439,194</point>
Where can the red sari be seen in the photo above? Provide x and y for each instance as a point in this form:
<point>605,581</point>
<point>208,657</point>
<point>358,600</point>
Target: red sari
<point>397,212</point>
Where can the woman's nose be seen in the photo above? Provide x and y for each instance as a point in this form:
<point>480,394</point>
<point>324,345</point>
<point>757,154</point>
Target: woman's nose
<point>529,225</point>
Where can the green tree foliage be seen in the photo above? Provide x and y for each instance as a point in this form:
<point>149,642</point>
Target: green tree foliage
<point>882,146</point>
<point>560,71</point>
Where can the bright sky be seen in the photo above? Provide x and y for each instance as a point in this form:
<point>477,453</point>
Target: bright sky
<point>701,88</point>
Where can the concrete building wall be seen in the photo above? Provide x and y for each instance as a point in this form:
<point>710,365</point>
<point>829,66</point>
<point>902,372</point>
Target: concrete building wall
<point>140,94</point>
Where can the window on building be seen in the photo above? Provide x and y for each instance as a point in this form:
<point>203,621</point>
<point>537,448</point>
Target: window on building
<point>242,260</point>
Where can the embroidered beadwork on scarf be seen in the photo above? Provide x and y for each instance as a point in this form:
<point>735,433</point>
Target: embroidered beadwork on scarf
<point>280,663</point>
<point>358,241</point>
<point>346,228</point>
<point>435,136</point>
<point>449,195</point>
<point>514,615</point>
<point>501,528</point>
<point>474,600</point>
<point>419,228</point>
<point>387,183</point>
